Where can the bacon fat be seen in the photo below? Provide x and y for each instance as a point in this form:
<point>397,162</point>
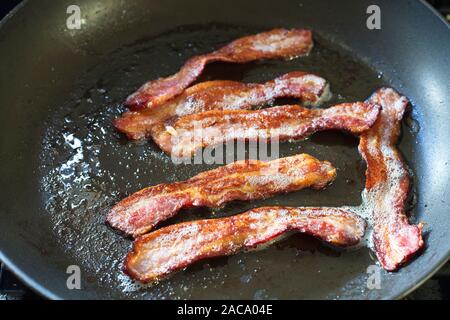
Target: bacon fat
<point>274,44</point>
<point>241,180</point>
<point>224,95</point>
<point>175,247</point>
<point>187,134</point>
<point>387,184</point>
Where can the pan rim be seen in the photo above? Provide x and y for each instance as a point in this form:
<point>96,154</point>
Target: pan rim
<point>49,294</point>
<point>28,280</point>
<point>434,11</point>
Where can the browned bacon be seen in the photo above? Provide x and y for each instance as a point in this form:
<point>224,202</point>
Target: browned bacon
<point>241,180</point>
<point>187,134</point>
<point>387,184</point>
<point>277,43</point>
<point>175,247</point>
<point>224,95</point>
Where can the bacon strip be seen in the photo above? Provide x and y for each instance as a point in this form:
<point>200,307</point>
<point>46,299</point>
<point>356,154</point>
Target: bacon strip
<point>274,44</point>
<point>387,184</point>
<point>224,95</point>
<point>172,248</point>
<point>187,134</point>
<point>241,180</point>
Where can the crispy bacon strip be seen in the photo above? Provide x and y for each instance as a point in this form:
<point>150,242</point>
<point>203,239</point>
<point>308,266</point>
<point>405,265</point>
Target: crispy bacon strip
<point>175,247</point>
<point>187,134</point>
<point>274,44</point>
<point>241,180</point>
<point>224,95</point>
<point>387,184</point>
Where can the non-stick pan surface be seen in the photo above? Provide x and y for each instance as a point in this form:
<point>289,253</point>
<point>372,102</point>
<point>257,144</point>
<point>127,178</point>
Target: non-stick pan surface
<point>63,165</point>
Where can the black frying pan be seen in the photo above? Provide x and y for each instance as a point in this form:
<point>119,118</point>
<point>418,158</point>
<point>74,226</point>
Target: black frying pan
<point>63,165</point>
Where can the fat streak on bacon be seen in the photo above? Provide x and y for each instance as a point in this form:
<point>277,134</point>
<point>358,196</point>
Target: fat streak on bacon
<point>175,247</point>
<point>274,44</point>
<point>241,180</point>
<point>186,135</point>
<point>387,184</point>
<point>224,95</point>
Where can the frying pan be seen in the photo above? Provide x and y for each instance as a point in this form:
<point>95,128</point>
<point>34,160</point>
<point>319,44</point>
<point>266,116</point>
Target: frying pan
<point>63,165</point>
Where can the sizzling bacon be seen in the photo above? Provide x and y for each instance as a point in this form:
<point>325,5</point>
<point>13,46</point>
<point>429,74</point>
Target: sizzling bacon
<point>187,134</point>
<point>387,184</point>
<point>277,43</point>
<point>224,95</point>
<point>175,247</point>
<point>241,180</point>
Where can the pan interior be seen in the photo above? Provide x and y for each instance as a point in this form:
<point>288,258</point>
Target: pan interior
<point>86,167</point>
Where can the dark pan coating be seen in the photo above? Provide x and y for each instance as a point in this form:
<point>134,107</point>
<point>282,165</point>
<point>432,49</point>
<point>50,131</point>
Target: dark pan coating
<point>61,82</point>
